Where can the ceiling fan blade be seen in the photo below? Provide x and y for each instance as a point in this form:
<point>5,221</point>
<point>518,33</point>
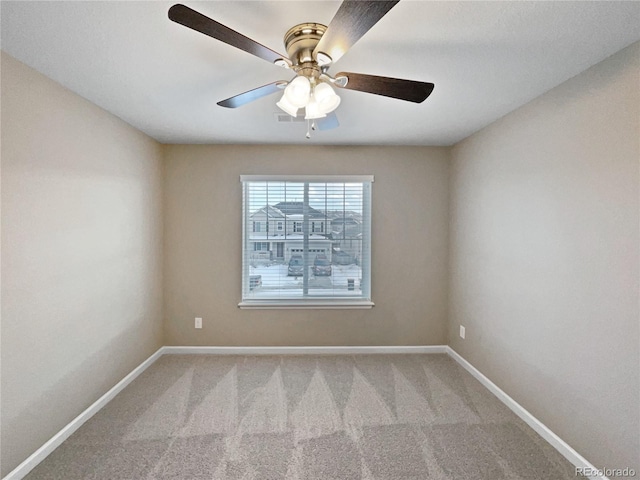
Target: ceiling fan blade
<point>328,122</point>
<point>352,20</point>
<point>251,95</point>
<point>408,90</point>
<point>200,23</point>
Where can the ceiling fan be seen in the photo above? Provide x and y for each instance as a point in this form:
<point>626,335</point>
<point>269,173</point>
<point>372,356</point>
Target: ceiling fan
<point>312,48</point>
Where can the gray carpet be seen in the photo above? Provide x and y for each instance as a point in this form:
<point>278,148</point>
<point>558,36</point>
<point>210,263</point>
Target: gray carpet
<point>305,417</point>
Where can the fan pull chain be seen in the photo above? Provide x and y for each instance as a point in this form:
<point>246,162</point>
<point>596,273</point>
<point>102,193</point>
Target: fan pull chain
<point>308,129</point>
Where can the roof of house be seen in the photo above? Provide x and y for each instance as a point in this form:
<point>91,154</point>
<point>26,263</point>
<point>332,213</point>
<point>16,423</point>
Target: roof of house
<point>295,208</point>
<point>289,237</point>
<point>346,221</point>
<point>272,212</point>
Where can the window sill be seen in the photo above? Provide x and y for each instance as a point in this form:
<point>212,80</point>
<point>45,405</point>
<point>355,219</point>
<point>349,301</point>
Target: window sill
<point>305,304</point>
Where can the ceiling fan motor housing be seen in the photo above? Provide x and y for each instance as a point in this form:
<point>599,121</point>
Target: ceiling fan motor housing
<point>300,41</point>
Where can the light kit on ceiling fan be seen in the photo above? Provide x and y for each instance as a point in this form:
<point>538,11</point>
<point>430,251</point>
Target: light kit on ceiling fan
<point>318,100</point>
<point>326,98</point>
<point>312,48</point>
<point>295,96</point>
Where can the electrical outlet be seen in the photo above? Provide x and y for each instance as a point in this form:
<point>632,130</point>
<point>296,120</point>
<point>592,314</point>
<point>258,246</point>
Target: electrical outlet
<point>462,332</point>
<point>198,322</point>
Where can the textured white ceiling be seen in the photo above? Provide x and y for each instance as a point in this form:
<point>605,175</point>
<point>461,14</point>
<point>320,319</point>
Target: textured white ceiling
<point>485,58</point>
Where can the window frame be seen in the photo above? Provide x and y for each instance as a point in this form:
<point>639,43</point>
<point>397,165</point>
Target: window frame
<point>311,302</point>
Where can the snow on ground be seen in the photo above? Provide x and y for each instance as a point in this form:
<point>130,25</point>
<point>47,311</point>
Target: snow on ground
<point>274,277</point>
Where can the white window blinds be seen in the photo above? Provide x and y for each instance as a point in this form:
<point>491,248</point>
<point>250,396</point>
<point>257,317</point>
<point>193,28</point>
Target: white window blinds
<point>313,247</point>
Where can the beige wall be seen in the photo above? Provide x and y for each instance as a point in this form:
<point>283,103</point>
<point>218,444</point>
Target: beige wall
<point>544,258</point>
<point>203,233</point>
<point>531,231</point>
<point>81,256</point>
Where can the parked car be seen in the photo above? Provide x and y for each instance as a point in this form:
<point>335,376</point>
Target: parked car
<point>321,266</point>
<point>295,266</point>
<point>342,258</point>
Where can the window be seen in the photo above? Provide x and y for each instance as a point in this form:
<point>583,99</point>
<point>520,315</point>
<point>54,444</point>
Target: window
<point>256,226</point>
<point>325,259</point>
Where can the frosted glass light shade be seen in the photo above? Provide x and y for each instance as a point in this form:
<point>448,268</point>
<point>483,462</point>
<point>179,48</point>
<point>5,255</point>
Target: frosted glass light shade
<point>313,110</point>
<point>298,91</point>
<point>285,105</point>
<point>326,98</point>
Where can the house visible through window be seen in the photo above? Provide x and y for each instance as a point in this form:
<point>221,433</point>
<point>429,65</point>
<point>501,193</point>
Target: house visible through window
<point>317,227</point>
<point>314,248</point>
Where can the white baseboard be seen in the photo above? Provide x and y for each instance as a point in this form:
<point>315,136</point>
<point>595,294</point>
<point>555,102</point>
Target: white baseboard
<point>39,455</point>
<point>554,440</point>
<point>569,453</point>
<point>330,350</point>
